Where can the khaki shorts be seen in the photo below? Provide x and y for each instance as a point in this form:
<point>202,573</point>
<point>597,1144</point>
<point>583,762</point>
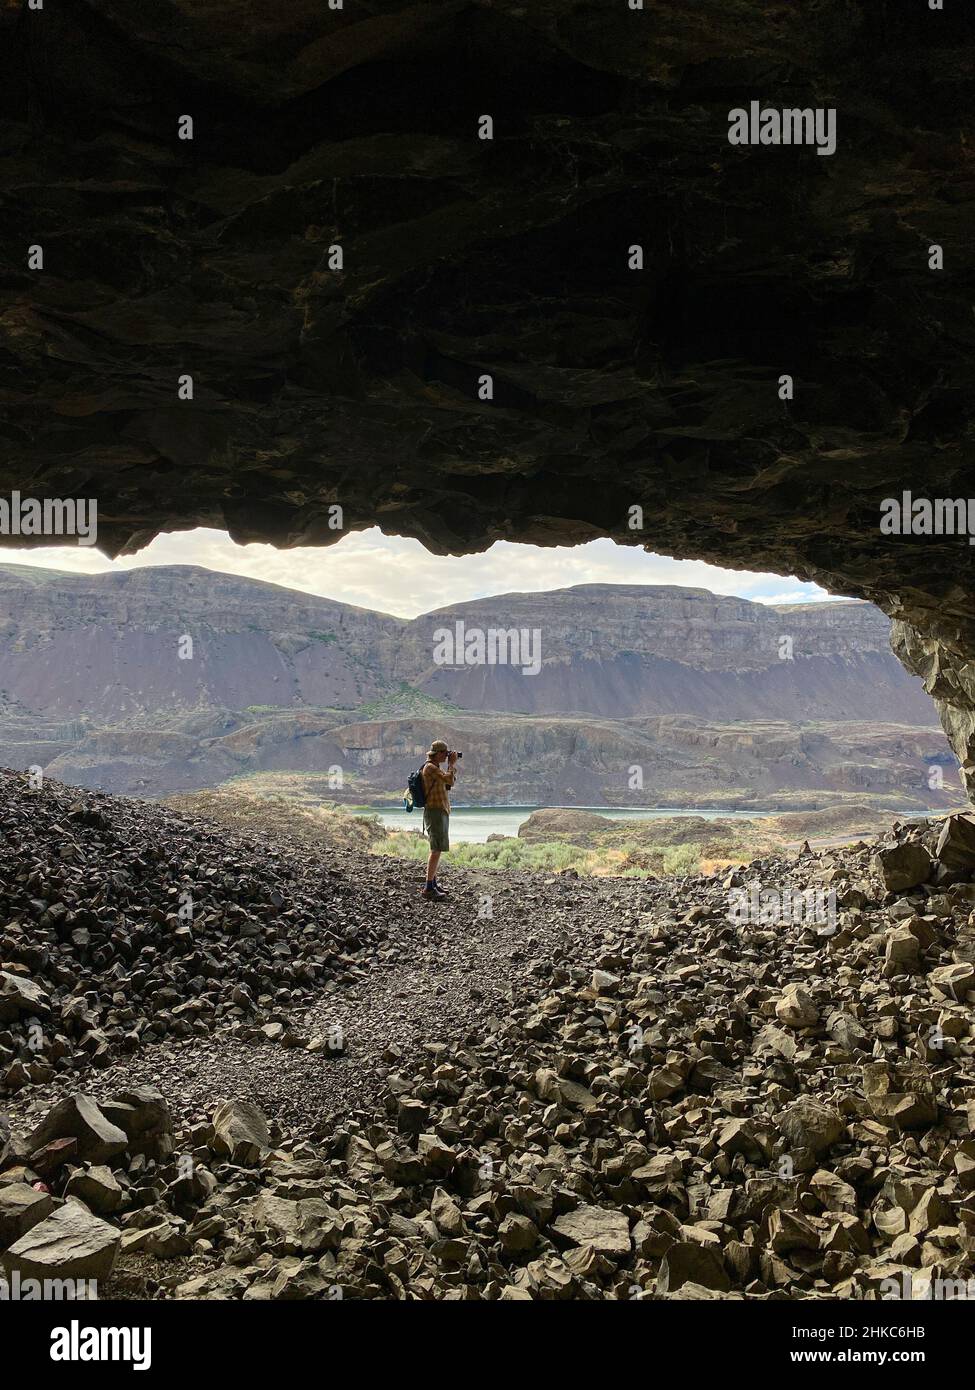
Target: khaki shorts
<point>436,827</point>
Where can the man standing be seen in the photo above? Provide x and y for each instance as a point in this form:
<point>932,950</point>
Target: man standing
<point>436,810</point>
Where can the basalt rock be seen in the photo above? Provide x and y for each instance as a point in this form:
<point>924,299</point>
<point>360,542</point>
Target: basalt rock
<point>637,1123</point>
<point>313,385</point>
<point>903,866</point>
<point>70,1244</point>
<point>956,843</point>
<point>122,923</point>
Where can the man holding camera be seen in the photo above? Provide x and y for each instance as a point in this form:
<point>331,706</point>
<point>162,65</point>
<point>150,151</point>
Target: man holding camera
<point>436,809</point>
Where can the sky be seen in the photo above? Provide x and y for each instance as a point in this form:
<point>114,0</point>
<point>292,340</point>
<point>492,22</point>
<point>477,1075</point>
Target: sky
<point>395,575</point>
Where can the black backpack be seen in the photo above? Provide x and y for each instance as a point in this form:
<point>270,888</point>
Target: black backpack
<point>416,794</point>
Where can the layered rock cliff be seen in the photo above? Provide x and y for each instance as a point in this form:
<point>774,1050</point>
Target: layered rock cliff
<point>159,680</point>
<point>614,651</point>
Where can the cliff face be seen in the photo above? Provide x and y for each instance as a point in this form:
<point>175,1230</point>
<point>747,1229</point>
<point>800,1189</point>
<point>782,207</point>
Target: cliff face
<point>523,759</point>
<point>614,651</point>
<point>621,650</point>
<point>682,761</point>
<point>95,690</point>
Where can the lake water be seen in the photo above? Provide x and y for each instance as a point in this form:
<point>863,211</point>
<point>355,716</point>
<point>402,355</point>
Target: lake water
<point>473,824</point>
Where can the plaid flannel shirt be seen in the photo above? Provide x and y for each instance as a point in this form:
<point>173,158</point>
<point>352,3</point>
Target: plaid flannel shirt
<point>435,785</point>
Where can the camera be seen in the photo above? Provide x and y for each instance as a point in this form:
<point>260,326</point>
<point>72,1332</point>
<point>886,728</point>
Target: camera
<point>455,755</point>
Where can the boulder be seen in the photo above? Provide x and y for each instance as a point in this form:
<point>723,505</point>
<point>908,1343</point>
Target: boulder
<point>21,1207</point>
<point>848,1032</point>
<point>953,981</point>
<point>789,1230</point>
<point>605,982</point>
<point>142,1113</point>
<point>903,866</point>
<point>807,1124</point>
<point>606,1230</point>
<point>308,1226</point>
<point>956,843</point>
<point>79,1117</point>
<point>164,1239</point>
<point>831,1192</point>
<point>898,1098</point>
<point>240,1132</point>
<point>50,1158</point>
<point>71,1243</point>
<point>688,1262</point>
<point>20,995</point>
<point>902,952</point>
<point>517,1234</point>
<point>796,1008</point>
<point>97,1188</point>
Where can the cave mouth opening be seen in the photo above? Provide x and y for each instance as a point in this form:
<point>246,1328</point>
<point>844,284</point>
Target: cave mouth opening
<point>634,287</point>
<point>612,633</point>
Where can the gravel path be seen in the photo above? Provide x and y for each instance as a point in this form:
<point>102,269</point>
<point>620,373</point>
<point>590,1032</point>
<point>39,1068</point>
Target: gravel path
<point>443,974</point>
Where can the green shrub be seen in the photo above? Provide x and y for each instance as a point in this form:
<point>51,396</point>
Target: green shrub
<point>682,861</point>
<point>499,854</point>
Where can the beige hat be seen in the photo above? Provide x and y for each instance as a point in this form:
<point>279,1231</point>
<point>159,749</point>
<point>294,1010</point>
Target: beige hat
<point>437,746</point>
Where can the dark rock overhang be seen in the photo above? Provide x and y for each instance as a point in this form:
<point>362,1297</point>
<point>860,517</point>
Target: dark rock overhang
<point>462,258</point>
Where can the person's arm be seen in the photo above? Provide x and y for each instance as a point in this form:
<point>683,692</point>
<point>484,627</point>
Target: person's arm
<point>446,777</point>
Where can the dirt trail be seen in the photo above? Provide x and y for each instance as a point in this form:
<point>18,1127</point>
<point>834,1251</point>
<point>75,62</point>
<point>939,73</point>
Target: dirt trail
<point>441,975</point>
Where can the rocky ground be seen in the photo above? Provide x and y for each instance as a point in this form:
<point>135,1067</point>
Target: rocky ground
<point>313,1085</point>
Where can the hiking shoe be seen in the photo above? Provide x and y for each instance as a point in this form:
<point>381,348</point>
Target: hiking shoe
<point>445,892</point>
<point>434,894</point>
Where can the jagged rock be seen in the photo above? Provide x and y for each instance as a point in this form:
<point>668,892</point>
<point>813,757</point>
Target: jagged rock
<point>789,1231</point>
<point>671,1136</point>
<point>903,866</point>
<point>738,1136</point>
<point>21,1207</point>
<point>166,1240</point>
<point>687,1262</point>
<point>517,1234</point>
<point>309,1226</point>
<point>79,1117</point>
<point>551,1086</point>
<point>5,1145</point>
<point>20,995</point>
<point>902,952</point>
<point>143,1114</point>
<point>605,982</point>
<point>796,1008</point>
<point>97,1188</point>
<point>69,958</point>
<point>446,1213</point>
<point>299,1279</point>
<point>665,1081</point>
<point>605,1230</point>
<point>848,1032</point>
<point>68,1244</point>
<point>956,843</point>
<point>240,1132</point>
<point>775,1040</point>
<point>50,1158</point>
<point>832,1192</point>
<point>807,1124</point>
<point>890,1101</point>
<point>953,981</point>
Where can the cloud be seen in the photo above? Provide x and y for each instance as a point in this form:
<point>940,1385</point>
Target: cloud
<point>396,575</point>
